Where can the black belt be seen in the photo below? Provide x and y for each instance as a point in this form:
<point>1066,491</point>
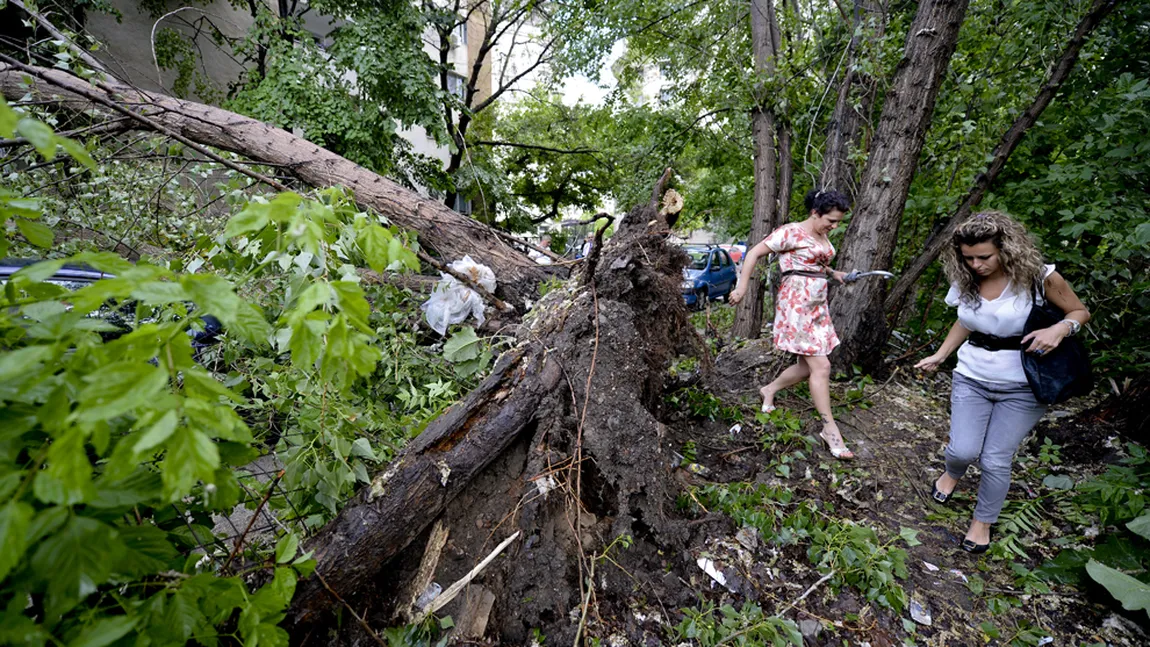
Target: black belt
<point>813,275</point>
<point>994,342</point>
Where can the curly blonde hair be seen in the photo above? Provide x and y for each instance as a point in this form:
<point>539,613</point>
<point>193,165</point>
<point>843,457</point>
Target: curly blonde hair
<point>1017,251</point>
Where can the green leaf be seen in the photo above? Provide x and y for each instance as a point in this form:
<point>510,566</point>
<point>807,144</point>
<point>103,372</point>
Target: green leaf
<point>39,135</point>
<point>286,548</point>
<point>250,323</point>
<point>463,346</point>
<point>910,536</point>
<point>118,388</point>
<point>1058,482</point>
<point>1133,594</point>
<point>191,456</point>
<point>212,295</point>
<point>1140,526</point>
<point>37,272</point>
<point>373,242</point>
<point>141,486</point>
<point>15,518</point>
<point>36,233</point>
<point>362,448</point>
<point>75,561</point>
<point>23,362</point>
<point>353,304</point>
<point>149,550</point>
<point>77,151</point>
<point>254,217</point>
<point>157,433</point>
<point>104,631</point>
<point>158,293</point>
<point>68,478</point>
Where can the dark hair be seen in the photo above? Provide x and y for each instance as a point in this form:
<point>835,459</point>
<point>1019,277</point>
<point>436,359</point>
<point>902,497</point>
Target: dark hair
<point>826,201</point>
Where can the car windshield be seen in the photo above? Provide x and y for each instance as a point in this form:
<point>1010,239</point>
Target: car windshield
<point>698,258</point>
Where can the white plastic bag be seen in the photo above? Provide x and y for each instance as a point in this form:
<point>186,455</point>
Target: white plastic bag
<point>453,301</point>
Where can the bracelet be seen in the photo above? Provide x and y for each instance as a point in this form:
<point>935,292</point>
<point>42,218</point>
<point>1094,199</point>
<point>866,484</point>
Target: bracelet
<point>1073,325</point>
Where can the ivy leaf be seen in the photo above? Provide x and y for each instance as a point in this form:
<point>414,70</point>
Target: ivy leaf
<point>76,561</point>
<point>118,388</point>
<point>1133,594</point>
<point>104,631</point>
<point>373,242</point>
<point>191,456</point>
<point>37,233</point>
<point>15,518</point>
<point>463,346</point>
<point>1140,526</point>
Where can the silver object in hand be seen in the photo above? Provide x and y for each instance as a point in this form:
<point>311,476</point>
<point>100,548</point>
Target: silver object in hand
<point>856,275</point>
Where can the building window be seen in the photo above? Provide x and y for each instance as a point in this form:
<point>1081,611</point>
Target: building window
<point>456,84</point>
<point>460,33</point>
<point>463,205</point>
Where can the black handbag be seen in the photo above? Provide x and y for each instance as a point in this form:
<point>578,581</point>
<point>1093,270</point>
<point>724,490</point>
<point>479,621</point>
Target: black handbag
<point>1059,374</point>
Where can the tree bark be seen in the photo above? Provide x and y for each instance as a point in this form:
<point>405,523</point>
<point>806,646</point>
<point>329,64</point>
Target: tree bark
<point>574,398</point>
<point>870,239</point>
<point>846,127</point>
<point>749,314</point>
<point>441,230</point>
<point>1006,145</point>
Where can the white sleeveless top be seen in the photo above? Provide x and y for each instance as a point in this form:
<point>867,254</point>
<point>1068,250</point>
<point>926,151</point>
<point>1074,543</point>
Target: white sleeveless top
<point>1003,317</point>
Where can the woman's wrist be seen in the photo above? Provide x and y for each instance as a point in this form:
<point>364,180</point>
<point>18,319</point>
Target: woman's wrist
<point>1072,326</point>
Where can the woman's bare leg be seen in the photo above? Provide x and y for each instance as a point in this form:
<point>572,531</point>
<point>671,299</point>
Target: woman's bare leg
<point>820,371</point>
<point>794,374</point>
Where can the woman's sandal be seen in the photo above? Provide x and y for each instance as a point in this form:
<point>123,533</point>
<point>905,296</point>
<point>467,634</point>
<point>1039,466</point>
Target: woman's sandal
<point>841,453</point>
<point>973,548</point>
<point>766,408</point>
<point>939,495</point>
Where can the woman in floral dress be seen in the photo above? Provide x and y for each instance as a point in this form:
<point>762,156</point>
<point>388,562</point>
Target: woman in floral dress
<point>802,317</point>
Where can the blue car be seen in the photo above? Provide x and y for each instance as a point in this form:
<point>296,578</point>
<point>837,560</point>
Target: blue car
<point>710,275</point>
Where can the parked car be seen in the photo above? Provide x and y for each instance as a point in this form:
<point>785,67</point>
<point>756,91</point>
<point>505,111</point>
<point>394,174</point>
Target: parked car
<point>711,275</point>
<point>120,315</point>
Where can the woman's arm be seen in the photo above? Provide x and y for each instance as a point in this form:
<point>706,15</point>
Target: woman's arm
<point>954,339</point>
<point>753,255</point>
<point>1059,292</point>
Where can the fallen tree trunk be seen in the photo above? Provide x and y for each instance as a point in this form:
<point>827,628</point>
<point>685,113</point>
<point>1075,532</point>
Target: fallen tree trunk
<point>561,443</point>
<point>445,232</point>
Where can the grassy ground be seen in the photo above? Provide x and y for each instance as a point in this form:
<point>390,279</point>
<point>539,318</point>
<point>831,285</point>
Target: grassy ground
<point>856,553</point>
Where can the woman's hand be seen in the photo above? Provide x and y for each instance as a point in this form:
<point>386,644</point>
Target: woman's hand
<point>931,363</point>
<point>1045,340</point>
<point>839,276</point>
<point>737,295</point>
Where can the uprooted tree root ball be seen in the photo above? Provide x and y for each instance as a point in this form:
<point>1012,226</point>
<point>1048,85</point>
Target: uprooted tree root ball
<point>562,443</point>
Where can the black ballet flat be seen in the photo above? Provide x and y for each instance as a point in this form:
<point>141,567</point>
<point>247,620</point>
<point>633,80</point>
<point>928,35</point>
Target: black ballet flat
<point>973,548</point>
<point>939,495</point>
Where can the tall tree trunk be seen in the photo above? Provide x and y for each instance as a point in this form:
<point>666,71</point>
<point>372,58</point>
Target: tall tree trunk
<point>1006,145</point>
<point>857,310</point>
<point>846,127</point>
<point>749,315</point>
<point>440,229</point>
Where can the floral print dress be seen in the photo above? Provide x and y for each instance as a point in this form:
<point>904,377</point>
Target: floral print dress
<point>802,317</point>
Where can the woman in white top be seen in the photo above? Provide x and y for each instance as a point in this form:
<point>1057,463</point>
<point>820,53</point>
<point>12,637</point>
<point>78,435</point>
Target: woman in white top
<point>996,273</point>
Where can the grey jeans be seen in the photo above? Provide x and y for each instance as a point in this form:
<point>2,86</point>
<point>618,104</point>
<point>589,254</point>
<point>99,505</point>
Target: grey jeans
<point>988,421</point>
